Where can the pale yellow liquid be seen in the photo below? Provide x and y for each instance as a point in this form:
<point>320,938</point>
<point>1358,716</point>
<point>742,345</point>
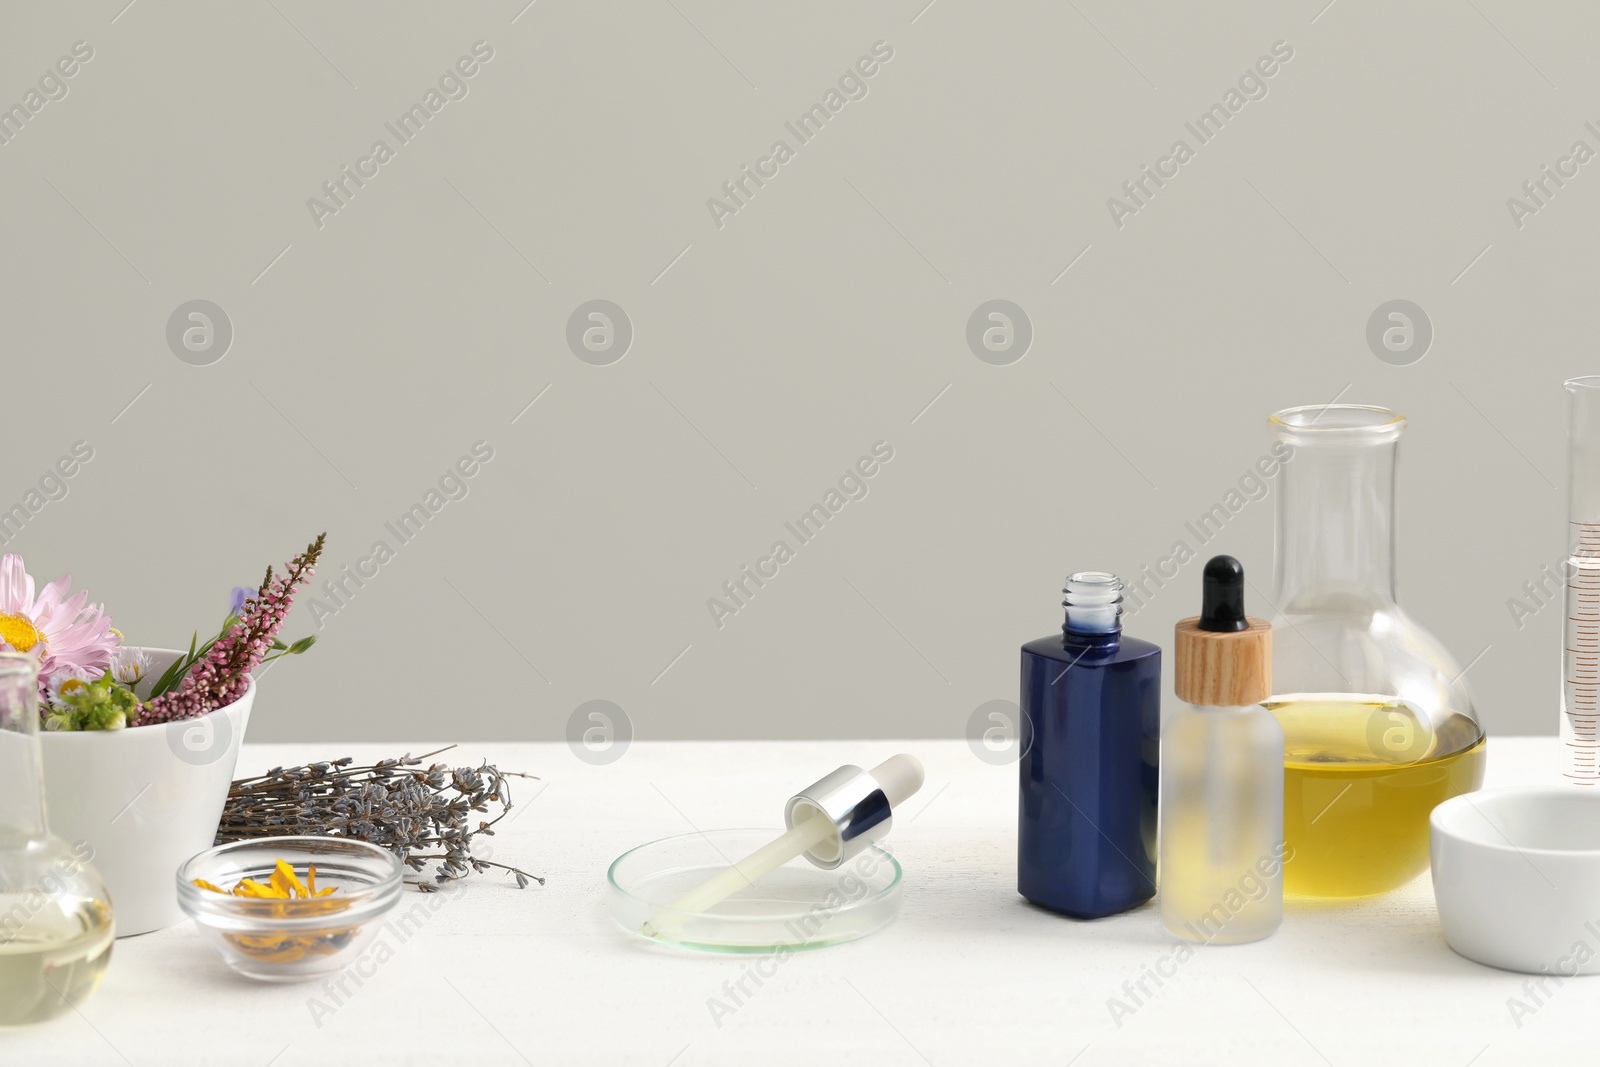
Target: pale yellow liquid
<point>1361,776</point>
<point>52,960</point>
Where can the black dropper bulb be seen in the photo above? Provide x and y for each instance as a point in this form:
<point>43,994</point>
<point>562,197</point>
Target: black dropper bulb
<point>1222,596</point>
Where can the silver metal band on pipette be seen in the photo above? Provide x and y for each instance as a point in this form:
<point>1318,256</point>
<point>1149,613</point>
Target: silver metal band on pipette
<point>854,802</point>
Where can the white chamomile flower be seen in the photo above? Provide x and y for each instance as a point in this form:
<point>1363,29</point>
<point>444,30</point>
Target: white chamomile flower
<point>129,665</point>
<point>64,681</point>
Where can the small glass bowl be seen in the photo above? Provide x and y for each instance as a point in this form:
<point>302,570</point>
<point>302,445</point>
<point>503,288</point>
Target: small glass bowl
<point>798,906</point>
<point>291,940</point>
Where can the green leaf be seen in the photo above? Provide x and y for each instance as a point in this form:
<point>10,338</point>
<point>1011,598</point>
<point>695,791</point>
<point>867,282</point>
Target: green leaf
<point>170,677</point>
<point>174,675</point>
<point>302,644</point>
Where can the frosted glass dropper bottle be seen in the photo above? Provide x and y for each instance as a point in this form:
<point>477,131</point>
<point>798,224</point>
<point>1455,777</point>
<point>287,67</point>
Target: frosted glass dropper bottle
<point>1221,843</point>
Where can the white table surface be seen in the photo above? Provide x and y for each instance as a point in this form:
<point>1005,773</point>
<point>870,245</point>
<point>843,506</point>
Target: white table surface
<point>968,974</point>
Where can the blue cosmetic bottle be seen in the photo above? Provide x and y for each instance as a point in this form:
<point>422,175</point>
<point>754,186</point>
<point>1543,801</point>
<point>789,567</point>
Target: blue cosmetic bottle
<point>1086,834</point>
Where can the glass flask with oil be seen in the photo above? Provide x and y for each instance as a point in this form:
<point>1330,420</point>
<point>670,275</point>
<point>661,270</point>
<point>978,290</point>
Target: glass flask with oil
<point>1377,721</point>
<point>55,916</point>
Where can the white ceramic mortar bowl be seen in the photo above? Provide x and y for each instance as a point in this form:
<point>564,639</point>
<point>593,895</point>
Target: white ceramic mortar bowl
<point>1516,875</point>
<point>144,799</point>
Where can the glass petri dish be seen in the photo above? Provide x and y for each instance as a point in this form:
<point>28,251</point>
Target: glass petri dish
<point>797,907</point>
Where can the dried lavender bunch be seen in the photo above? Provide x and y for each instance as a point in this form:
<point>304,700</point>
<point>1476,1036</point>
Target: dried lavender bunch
<point>394,803</point>
<point>220,678</point>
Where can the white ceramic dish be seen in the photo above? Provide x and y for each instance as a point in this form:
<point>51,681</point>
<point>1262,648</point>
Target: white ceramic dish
<point>144,799</point>
<point>1516,875</point>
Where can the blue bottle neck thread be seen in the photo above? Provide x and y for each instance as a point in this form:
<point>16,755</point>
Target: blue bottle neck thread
<point>1093,602</point>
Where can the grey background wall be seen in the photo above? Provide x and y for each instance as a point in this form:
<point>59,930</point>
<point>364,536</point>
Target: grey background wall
<point>374,345</point>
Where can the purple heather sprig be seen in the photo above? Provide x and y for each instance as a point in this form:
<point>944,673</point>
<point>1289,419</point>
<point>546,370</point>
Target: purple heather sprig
<point>220,678</point>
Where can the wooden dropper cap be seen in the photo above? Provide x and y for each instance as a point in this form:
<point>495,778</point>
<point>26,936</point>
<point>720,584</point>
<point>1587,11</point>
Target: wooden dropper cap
<point>1224,658</point>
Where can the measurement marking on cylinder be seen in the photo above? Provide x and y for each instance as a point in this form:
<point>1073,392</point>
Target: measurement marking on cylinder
<point>1581,678</point>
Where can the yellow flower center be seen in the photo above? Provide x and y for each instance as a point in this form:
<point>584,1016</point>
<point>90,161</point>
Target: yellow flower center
<point>70,686</point>
<point>18,632</point>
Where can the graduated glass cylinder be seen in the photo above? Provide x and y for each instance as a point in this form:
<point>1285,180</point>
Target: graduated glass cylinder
<point>1378,722</point>
<point>1580,645</point>
<point>1222,848</point>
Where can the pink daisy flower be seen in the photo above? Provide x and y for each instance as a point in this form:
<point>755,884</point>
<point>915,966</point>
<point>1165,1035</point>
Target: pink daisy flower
<point>61,631</point>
